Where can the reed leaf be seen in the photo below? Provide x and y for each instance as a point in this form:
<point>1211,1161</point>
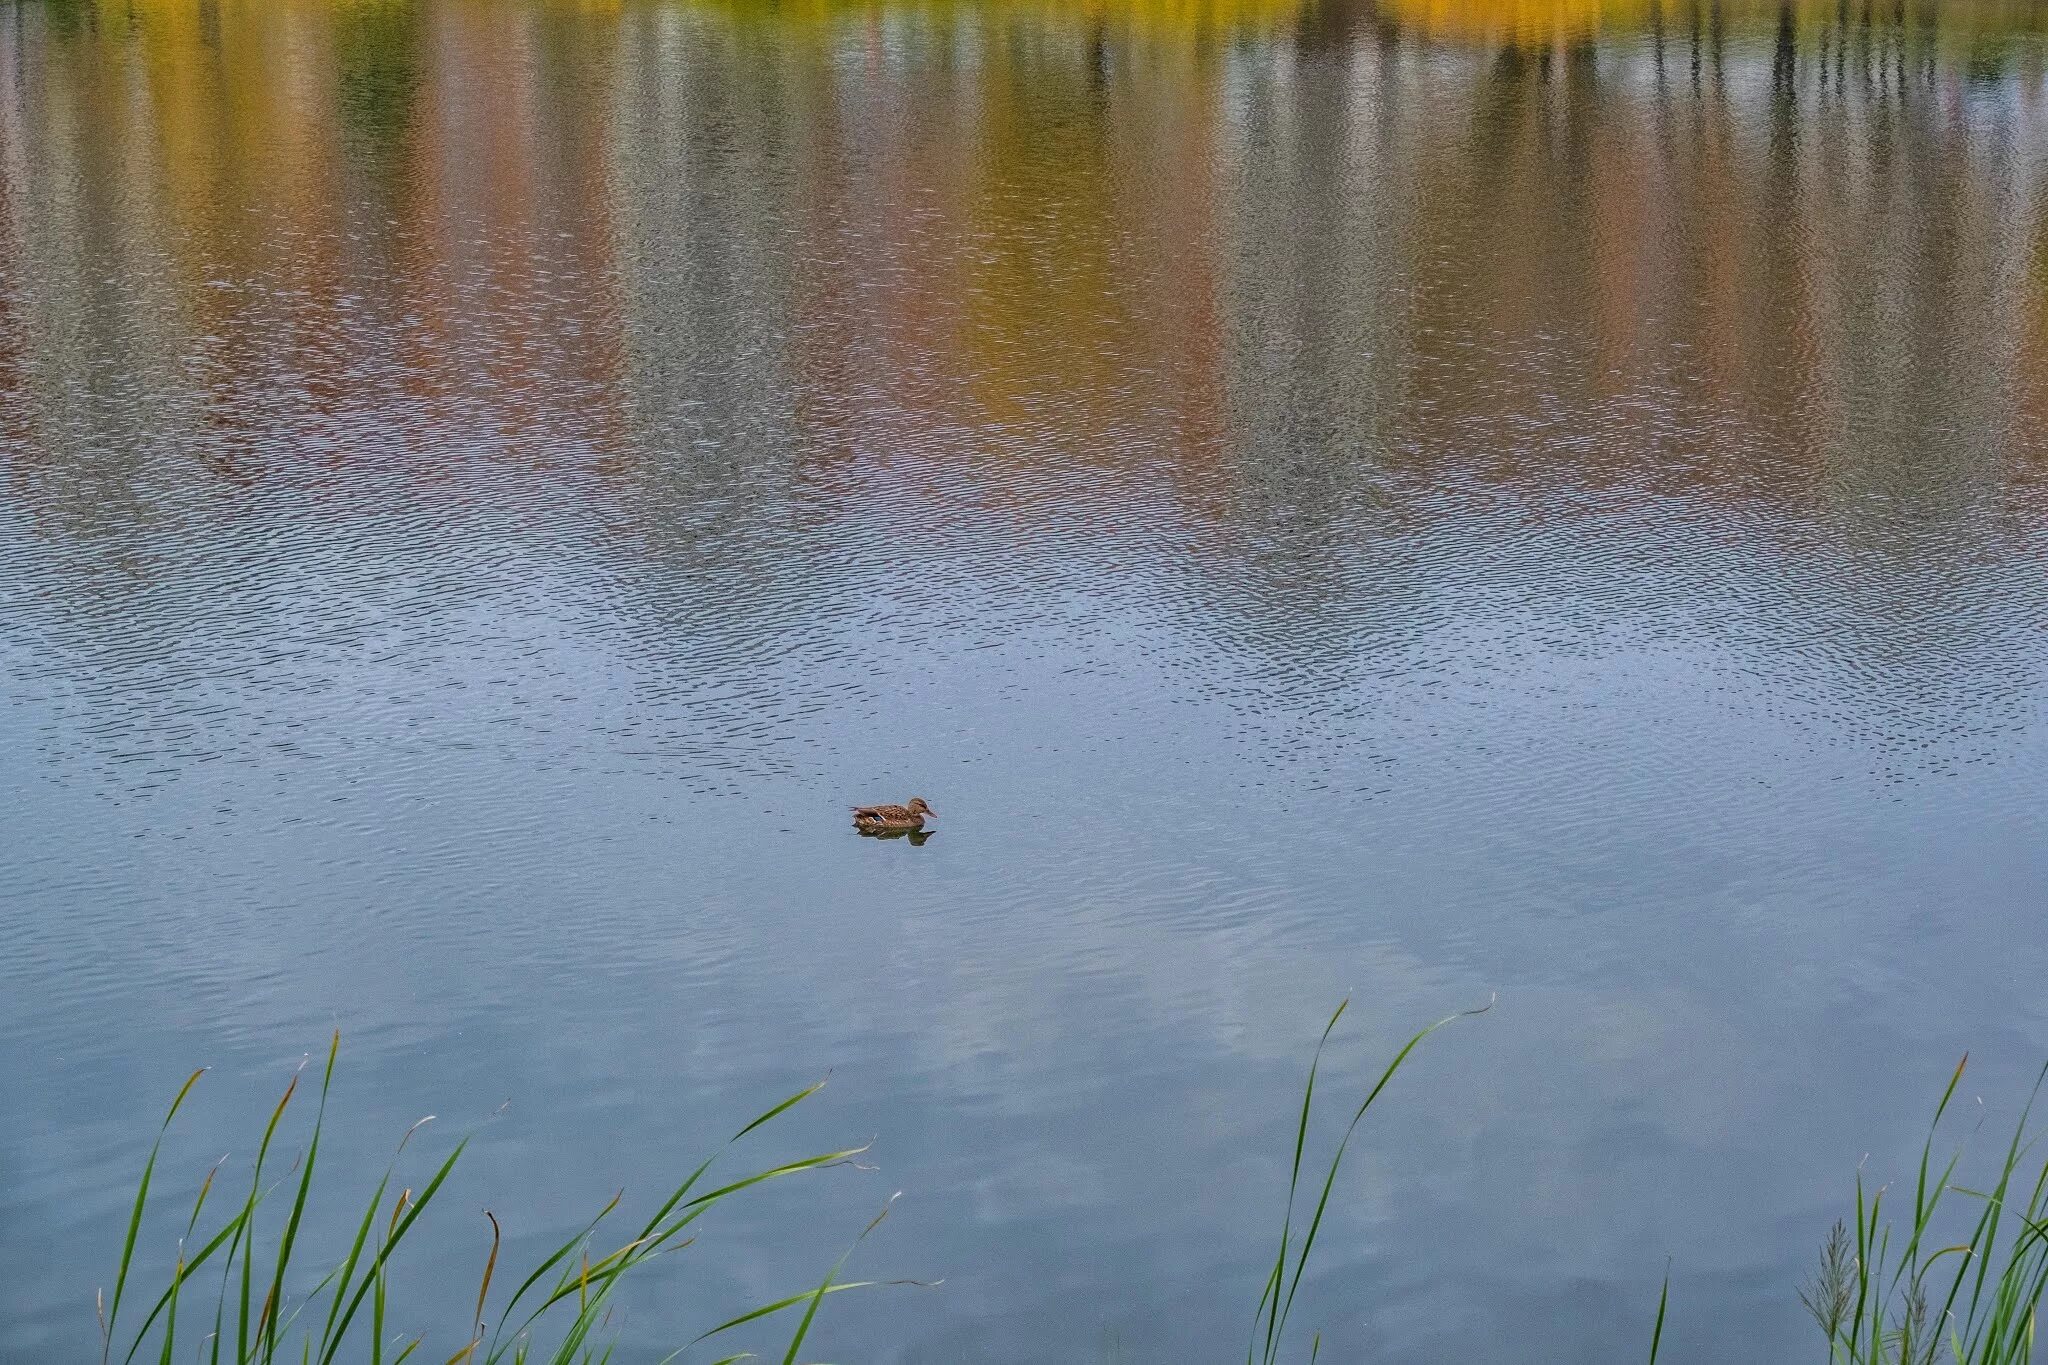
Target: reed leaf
<point>135,1216</point>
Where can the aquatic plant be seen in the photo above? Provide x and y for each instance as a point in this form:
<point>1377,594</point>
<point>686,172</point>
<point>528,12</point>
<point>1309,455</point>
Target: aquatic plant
<point>1973,1302</point>
<point>567,1298</point>
<point>568,1295</point>
<point>1879,1307</point>
<point>1276,1300</point>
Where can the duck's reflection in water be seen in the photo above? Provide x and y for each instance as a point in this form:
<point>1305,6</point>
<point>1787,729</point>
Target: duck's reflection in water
<point>917,837</point>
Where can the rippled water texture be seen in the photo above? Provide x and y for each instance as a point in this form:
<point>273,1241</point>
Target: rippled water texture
<point>1417,502</point>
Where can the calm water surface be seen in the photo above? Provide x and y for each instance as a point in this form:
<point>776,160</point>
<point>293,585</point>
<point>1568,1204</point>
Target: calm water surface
<point>1420,502</point>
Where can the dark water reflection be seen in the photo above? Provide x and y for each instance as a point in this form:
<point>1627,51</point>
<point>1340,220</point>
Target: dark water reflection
<point>1414,501</point>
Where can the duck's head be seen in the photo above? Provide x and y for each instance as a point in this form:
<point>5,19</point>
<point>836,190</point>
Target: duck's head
<point>918,807</point>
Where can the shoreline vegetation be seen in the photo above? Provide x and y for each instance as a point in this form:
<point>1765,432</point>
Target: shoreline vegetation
<point>1885,1290</point>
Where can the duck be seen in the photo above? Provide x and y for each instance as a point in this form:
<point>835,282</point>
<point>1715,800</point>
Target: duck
<point>892,819</point>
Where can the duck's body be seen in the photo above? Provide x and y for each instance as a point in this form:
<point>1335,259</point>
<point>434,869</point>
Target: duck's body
<point>892,819</point>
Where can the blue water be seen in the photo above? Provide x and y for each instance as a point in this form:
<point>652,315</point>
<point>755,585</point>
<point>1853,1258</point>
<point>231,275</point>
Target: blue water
<point>1327,507</point>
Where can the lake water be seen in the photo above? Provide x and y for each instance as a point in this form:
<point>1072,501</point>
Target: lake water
<point>1411,503</point>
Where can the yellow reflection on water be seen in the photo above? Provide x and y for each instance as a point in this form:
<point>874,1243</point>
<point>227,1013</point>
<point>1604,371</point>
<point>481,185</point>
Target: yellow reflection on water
<point>1523,22</point>
<point>1542,22</point>
<point>1187,17</point>
<point>1159,16</point>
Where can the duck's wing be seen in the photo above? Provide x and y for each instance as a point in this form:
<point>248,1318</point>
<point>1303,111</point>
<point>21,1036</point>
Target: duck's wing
<point>881,812</point>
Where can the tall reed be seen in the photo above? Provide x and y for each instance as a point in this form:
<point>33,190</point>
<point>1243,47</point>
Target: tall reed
<point>1886,1295</point>
<point>1276,1300</point>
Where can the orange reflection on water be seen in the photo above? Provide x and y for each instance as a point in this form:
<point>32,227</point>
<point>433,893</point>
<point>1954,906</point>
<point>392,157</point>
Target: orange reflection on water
<point>285,196</point>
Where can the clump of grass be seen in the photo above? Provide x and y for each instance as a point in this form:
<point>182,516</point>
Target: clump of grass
<point>1878,1306</point>
<point>559,1313</point>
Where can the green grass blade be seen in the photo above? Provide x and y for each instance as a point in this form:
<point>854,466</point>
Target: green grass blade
<point>605,1272</point>
<point>677,1196</point>
<point>249,1227</point>
<point>291,1227</point>
<point>809,1163</point>
<point>135,1216</point>
<point>375,1279</point>
<point>232,1228</point>
<point>1657,1332</point>
<point>1987,1232</point>
<point>403,1225</point>
<point>777,1109</point>
<point>198,1204</point>
<point>803,1326</point>
<point>1329,1181</point>
<point>770,1309</point>
<point>171,1322</point>
<point>561,1253</point>
<point>355,1252</point>
<point>1269,1297</point>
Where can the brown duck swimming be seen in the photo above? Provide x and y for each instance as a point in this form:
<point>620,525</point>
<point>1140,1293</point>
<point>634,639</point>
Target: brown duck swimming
<point>891,819</point>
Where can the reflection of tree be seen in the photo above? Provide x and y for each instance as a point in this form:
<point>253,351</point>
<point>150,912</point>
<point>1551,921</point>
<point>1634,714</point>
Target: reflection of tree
<point>1131,267</point>
<point>377,59</point>
<point>1180,19</point>
<point>269,225</point>
<point>1978,34</point>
